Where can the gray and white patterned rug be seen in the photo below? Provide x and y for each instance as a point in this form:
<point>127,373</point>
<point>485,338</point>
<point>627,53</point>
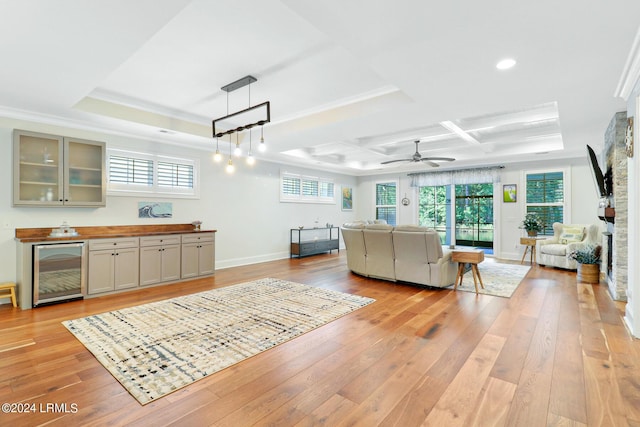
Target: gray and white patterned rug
<point>157,348</point>
<point>499,279</point>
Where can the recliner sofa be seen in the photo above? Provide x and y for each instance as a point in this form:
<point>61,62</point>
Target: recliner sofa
<point>404,253</point>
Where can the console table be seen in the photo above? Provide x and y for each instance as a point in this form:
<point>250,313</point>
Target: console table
<point>470,256</point>
<point>311,241</point>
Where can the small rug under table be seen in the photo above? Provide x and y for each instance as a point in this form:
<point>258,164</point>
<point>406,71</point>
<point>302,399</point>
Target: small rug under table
<point>157,348</point>
<point>499,279</point>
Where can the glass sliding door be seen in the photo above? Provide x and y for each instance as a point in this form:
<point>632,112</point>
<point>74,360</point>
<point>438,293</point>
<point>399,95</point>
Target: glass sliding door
<point>434,210</point>
<point>467,221</point>
<point>474,215</point>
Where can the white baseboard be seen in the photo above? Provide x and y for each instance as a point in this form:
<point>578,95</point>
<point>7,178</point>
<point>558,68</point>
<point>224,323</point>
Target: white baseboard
<point>237,262</point>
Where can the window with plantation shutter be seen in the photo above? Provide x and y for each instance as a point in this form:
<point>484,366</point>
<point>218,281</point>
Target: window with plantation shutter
<point>126,170</point>
<point>545,196</point>
<point>326,189</point>
<point>309,188</point>
<point>386,201</point>
<point>290,186</point>
<point>175,175</point>
<point>132,173</point>
<point>299,188</point>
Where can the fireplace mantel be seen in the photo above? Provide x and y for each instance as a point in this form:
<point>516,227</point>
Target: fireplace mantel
<point>607,215</point>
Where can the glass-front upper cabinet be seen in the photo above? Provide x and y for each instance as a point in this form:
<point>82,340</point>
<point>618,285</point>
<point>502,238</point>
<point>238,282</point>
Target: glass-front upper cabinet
<point>52,170</point>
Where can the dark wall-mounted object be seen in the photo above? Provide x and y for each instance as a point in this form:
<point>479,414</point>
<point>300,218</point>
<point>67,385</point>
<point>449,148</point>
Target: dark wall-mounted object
<point>597,172</point>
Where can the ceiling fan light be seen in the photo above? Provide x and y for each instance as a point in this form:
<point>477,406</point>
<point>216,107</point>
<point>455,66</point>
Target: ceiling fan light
<point>506,63</point>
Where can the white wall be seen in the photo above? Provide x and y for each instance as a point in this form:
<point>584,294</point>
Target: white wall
<point>507,216</point>
<point>253,226</point>
<point>632,309</point>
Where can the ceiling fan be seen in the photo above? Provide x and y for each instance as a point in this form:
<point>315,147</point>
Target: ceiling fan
<point>417,157</point>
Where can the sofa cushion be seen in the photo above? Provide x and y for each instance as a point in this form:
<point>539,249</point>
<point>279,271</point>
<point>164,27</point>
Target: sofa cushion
<point>355,225</point>
<point>554,249</point>
<point>571,234</point>
<point>379,227</point>
<point>411,228</point>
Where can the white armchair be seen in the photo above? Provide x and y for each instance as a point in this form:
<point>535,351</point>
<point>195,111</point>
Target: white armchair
<point>566,239</point>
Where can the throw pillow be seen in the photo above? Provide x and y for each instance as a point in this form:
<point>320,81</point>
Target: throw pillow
<point>571,234</point>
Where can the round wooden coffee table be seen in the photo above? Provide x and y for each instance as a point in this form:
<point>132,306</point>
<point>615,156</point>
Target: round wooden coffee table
<point>469,256</point>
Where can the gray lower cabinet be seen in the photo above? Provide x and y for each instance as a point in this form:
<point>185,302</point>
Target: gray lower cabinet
<point>198,254</point>
<point>159,259</point>
<point>113,264</point>
<point>128,262</point>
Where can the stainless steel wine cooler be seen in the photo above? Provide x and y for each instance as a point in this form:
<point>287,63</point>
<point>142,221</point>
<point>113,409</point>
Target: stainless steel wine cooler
<point>58,273</point>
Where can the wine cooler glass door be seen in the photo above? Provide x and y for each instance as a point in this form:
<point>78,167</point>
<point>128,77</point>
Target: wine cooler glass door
<point>58,273</point>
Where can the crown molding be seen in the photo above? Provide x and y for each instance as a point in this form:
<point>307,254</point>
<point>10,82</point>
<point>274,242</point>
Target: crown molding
<point>631,71</point>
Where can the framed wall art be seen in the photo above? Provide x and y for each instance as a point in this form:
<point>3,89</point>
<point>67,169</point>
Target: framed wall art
<point>155,210</point>
<point>509,193</point>
<point>347,198</point>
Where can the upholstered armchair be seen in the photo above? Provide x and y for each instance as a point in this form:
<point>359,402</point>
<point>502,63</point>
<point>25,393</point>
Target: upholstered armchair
<point>566,238</point>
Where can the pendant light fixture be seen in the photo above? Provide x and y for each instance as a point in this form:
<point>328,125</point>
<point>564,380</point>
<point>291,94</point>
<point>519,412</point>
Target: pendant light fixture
<point>257,115</point>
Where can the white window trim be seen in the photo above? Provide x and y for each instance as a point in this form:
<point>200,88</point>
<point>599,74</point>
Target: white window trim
<point>133,190</point>
<point>299,198</point>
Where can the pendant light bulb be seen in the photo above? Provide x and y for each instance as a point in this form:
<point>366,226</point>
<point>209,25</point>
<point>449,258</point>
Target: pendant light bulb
<point>230,167</point>
<point>217,157</point>
<point>250,159</point>
<point>237,151</point>
<point>262,147</point>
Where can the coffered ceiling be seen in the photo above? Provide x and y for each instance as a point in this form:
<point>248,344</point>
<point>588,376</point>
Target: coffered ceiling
<point>351,83</point>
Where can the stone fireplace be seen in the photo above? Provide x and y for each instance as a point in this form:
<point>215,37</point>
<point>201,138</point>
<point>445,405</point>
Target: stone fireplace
<point>614,239</point>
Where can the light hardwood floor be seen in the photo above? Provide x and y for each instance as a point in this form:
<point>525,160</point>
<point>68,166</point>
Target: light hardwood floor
<point>555,353</point>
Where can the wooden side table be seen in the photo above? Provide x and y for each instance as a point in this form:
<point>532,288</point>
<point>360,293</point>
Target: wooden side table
<point>473,257</point>
<point>529,246</point>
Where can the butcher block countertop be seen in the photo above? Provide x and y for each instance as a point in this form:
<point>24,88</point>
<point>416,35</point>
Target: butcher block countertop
<point>28,235</point>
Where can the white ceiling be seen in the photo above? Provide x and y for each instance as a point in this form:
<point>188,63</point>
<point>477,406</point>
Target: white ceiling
<point>351,83</point>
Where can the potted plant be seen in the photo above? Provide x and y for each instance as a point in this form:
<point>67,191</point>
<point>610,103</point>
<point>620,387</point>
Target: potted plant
<point>588,259</point>
<point>532,223</point>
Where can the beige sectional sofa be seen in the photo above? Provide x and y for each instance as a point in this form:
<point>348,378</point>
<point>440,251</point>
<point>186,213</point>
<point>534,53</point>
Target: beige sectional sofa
<point>403,253</point>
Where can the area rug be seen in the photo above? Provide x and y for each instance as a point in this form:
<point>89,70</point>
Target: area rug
<point>499,279</point>
<point>157,348</point>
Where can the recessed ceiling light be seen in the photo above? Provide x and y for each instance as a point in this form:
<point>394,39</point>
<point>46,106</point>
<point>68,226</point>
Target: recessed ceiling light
<point>505,64</point>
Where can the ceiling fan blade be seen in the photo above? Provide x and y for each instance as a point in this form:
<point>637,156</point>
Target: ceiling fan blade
<point>443,159</point>
<point>395,161</point>
<point>430,163</point>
